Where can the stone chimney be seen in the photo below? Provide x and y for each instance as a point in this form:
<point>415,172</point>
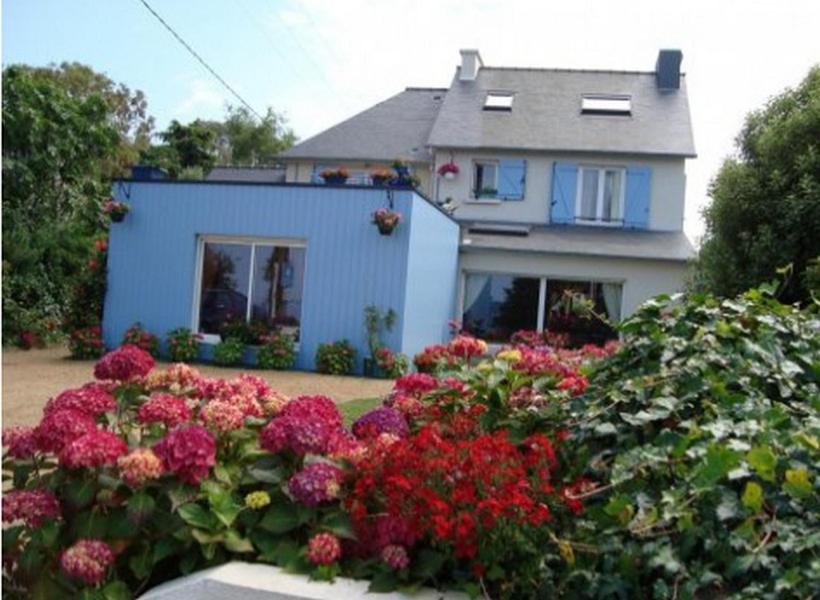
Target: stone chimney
<point>470,64</point>
<point>667,70</point>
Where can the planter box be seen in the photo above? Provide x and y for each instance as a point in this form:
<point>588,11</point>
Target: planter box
<point>246,581</point>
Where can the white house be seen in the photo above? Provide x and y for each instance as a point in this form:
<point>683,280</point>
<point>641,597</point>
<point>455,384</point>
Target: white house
<point>570,184</point>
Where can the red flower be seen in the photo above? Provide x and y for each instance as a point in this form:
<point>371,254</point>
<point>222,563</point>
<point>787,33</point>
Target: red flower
<point>95,449</point>
<point>188,451</point>
<point>61,427</point>
<point>124,364</point>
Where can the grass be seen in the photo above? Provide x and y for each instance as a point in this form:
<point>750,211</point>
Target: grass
<point>353,409</point>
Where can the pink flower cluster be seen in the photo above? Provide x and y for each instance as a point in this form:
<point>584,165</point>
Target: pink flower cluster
<point>324,549</point>
<point>164,408</point>
<point>92,399</point>
<point>189,451</point>
<point>21,442</point>
<point>320,408</point>
<point>178,378</point>
<point>222,416</point>
<point>59,428</point>
<point>30,506</point>
<point>316,483</point>
<point>95,449</point>
<point>124,364</point>
<point>87,560</point>
<point>466,346</point>
<point>140,465</point>
<point>395,557</point>
<point>244,392</point>
<point>343,446</point>
<point>415,384</point>
<point>575,384</point>
<point>304,425</point>
<point>381,420</point>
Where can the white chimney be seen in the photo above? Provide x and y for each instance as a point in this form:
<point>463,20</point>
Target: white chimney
<point>470,64</point>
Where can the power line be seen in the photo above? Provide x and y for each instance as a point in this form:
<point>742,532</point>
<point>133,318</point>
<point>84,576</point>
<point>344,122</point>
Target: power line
<point>201,60</point>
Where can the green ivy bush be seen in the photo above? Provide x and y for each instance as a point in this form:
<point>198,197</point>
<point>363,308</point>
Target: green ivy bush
<point>336,358</point>
<point>278,351</point>
<point>229,352</point>
<point>705,429</point>
<point>183,345</point>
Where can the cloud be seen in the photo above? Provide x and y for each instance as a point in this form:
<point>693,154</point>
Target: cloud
<point>204,99</point>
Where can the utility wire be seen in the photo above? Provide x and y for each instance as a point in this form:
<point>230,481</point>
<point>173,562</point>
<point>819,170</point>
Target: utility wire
<point>200,59</point>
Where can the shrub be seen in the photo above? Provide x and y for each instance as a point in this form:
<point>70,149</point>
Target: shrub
<point>183,345</point>
<point>336,358</point>
<point>86,342</point>
<point>137,336</point>
<point>391,364</point>
<point>229,352</point>
<point>277,352</point>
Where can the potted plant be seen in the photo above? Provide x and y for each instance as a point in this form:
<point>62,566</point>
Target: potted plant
<point>116,211</point>
<point>386,220</point>
<point>336,176</point>
<point>380,177</point>
<point>486,192</point>
<point>448,170</point>
<point>401,167</point>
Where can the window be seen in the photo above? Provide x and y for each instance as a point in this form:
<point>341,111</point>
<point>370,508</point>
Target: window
<point>257,281</point>
<point>496,306</point>
<point>603,104</point>
<point>498,101</point>
<point>600,195</point>
<point>485,179</point>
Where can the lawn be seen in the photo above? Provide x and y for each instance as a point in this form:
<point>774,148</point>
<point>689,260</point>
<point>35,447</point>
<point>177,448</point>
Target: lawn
<point>353,409</point>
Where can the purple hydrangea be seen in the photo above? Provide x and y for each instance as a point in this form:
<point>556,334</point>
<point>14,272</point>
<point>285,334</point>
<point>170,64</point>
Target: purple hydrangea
<point>316,483</point>
<point>381,420</point>
<point>300,434</point>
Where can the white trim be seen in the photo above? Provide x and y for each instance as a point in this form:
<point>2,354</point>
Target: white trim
<point>599,200</point>
<point>542,293</point>
<point>249,239</point>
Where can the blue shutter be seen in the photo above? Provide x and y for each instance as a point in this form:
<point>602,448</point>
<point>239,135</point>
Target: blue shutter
<point>636,204</point>
<point>564,186</point>
<point>511,179</point>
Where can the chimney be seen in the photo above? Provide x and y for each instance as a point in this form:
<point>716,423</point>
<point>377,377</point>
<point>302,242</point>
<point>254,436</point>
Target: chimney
<point>470,64</point>
<point>667,70</point>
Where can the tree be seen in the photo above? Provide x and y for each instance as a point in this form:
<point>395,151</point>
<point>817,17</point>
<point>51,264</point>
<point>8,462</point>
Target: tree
<point>250,142</point>
<point>765,209</point>
<point>54,149</point>
<point>185,149</point>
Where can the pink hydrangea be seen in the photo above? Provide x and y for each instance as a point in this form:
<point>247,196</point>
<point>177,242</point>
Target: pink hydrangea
<point>247,405</point>
<point>274,436</point>
<point>381,420</point>
<point>60,427</point>
<point>415,384</point>
<point>316,483</point>
<point>298,434</point>
<point>314,408</point>
<point>189,451</point>
<point>222,416</point>
<point>410,406</point>
<point>395,557</point>
<point>20,442</point>
<point>92,399</point>
<point>178,378</point>
<point>87,560</point>
<point>466,346</point>
<point>140,465</point>
<point>95,449</point>
<point>30,506</point>
<point>324,549</point>
<point>164,408</point>
<point>124,364</point>
<point>342,445</point>
<point>575,384</point>
<point>273,402</point>
<point>259,385</point>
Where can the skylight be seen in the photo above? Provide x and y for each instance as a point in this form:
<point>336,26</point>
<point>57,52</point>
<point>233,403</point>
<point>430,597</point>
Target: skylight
<point>603,104</point>
<point>498,101</point>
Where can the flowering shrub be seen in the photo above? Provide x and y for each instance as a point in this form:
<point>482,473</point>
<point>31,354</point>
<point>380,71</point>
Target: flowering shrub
<point>336,358</point>
<point>183,345</point>
<point>124,364</point>
<point>229,352</point>
<point>115,210</point>
<point>86,342</point>
<point>433,358</point>
<point>535,339</point>
<point>390,363</point>
<point>277,352</point>
<point>137,336</point>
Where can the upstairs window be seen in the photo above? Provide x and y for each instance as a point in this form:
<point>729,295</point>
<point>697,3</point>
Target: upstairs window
<point>485,179</point>
<point>600,196</point>
<point>498,101</point>
<point>603,104</point>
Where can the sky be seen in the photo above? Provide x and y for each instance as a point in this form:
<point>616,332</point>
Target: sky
<point>321,61</point>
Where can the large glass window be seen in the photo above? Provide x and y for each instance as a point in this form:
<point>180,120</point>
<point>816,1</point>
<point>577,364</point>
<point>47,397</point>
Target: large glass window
<point>496,306</point>
<point>485,179</point>
<point>251,281</point>
<point>600,195</point>
<point>568,305</point>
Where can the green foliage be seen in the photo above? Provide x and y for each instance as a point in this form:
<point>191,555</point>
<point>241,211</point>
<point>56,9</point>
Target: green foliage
<point>183,345</point>
<point>336,358</point>
<point>185,147</point>
<point>375,321</point>
<point>136,335</point>
<point>277,352</point>
<point>86,342</point>
<point>707,426</point>
<point>251,142</point>
<point>765,210</point>
<point>229,352</point>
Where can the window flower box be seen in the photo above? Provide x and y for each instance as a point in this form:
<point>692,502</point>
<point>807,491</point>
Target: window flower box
<point>335,176</point>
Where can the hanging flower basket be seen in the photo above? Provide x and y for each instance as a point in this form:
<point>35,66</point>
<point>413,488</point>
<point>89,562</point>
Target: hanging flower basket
<point>380,177</point>
<point>335,176</point>
<point>448,170</point>
<point>386,220</point>
<point>116,211</point>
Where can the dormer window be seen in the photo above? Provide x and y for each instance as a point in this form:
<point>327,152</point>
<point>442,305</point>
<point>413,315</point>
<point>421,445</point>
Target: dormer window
<point>498,101</point>
<point>606,104</point>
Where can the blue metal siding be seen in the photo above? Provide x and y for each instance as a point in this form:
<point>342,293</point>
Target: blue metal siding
<point>564,187</point>
<point>432,273</point>
<point>152,256</point>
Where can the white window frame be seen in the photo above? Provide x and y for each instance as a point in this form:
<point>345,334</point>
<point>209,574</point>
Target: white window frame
<point>253,242</point>
<point>606,104</point>
<point>599,201</point>
<point>499,101</point>
<point>475,192</point>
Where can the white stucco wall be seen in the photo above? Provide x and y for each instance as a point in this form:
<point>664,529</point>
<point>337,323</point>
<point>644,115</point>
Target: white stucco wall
<point>301,171</point>
<point>667,194</point>
<point>641,279</point>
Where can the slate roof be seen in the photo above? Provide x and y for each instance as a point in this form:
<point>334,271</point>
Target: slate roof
<point>258,174</point>
<point>396,127</point>
<point>588,241</point>
<point>546,113</point>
